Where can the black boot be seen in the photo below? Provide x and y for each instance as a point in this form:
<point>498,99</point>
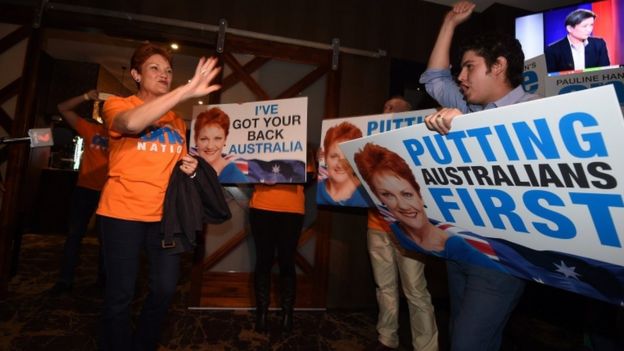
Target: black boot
<point>287,295</point>
<point>262,284</point>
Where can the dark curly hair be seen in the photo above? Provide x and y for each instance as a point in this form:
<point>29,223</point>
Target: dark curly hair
<point>491,46</point>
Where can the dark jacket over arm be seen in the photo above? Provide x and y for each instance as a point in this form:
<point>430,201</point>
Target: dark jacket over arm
<point>189,203</point>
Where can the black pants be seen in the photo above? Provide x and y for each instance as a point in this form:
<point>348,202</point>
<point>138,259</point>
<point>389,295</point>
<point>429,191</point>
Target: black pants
<point>275,231</point>
<point>83,204</point>
<point>122,243</point>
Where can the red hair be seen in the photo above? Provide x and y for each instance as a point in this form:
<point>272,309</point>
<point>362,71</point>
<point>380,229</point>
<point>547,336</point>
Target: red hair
<point>341,132</point>
<point>145,51</point>
<point>213,116</point>
<point>374,159</point>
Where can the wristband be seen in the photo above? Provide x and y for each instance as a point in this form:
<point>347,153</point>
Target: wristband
<point>193,175</point>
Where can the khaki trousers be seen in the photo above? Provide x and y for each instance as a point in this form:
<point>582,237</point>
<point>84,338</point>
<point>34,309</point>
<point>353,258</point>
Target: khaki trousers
<point>388,265</point>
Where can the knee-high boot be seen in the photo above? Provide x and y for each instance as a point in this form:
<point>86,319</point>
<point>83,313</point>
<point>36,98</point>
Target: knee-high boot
<point>288,291</point>
<point>262,287</point>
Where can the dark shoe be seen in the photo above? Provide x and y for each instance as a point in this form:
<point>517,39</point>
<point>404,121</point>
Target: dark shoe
<point>60,288</point>
<point>262,285</point>
<point>261,320</point>
<point>288,289</point>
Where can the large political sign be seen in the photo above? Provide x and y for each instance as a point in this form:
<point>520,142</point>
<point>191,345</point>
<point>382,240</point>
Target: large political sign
<point>337,184</point>
<point>590,78</point>
<point>534,75</point>
<point>254,142</point>
<point>533,189</point>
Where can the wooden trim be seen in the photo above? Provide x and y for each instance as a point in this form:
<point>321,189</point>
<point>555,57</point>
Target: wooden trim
<point>321,258</point>
<point>14,37</point>
<point>277,51</point>
<point>224,250</point>
<point>303,83</point>
<point>6,122</point>
<point>249,68</point>
<point>10,90</point>
<point>215,97</point>
<point>303,264</point>
<point>131,29</point>
<point>244,77</point>
<point>4,154</point>
<point>306,235</point>
<point>17,160</point>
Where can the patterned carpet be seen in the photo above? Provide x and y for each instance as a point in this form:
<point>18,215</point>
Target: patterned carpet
<point>30,320</point>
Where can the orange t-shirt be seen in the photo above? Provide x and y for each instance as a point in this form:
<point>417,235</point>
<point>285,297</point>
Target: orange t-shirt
<point>94,164</point>
<point>278,198</point>
<point>140,165</point>
<point>377,222</point>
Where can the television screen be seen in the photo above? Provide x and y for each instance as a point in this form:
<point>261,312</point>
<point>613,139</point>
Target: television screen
<point>546,32</point>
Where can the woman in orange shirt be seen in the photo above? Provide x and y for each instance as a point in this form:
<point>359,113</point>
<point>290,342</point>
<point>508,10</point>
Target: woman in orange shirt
<point>146,140</point>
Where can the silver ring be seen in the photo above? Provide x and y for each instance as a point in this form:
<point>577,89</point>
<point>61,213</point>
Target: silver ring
<point>203,72</point>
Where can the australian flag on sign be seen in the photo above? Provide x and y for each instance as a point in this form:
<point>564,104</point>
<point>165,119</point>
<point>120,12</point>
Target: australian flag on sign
<point>277,171</point>
<point>596,279</point>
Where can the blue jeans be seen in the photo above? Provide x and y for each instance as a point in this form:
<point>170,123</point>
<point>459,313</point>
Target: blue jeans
<point>83,204</point>
<point>122,243</point>
<point>482,300</point>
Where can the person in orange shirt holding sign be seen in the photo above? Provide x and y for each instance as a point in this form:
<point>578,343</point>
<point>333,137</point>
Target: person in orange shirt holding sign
<point>146,140</point>
<point>276,214</point>
<point>91,178</point>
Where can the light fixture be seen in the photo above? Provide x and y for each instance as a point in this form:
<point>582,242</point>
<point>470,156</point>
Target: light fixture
<point>200,102</point>
<point>174,46</point>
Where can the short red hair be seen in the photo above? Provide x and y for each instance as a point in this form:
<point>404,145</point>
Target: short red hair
<point>145,51</point>
<point>341,132</point>
<point>374,159</point>
<point>213,116</point>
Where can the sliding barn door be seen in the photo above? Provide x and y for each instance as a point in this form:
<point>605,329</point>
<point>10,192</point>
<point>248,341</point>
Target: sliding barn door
<point>256,70</point>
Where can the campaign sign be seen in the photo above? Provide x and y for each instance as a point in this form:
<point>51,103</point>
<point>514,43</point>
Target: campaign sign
<point>337,184</point>
<point>254,142</point>
<point>532,189</point>
<point>534,75</point>
<point>590,78</point>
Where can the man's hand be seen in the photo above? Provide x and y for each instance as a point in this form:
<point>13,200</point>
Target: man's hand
<point>440,121</point>
<point>460,13</point>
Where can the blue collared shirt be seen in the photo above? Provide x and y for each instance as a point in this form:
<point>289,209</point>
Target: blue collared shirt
<point>440,85</point>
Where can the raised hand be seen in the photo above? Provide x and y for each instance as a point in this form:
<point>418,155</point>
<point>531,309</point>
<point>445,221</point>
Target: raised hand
<point>460,13</point>
<point>205,72</point>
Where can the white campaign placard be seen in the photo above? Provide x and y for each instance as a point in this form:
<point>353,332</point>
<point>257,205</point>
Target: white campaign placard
<point>591,78</point>
<point>534,76</point>
<point>508,152</point>
<point>266,140</point>
<point>365,125</point>
<point>540,182</point>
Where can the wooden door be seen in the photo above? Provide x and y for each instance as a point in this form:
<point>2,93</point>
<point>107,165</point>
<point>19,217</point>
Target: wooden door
<point>220,285</point>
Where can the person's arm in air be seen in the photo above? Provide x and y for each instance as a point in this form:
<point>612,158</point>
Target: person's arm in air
<point>66,108</point>
<point>437,79</point>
